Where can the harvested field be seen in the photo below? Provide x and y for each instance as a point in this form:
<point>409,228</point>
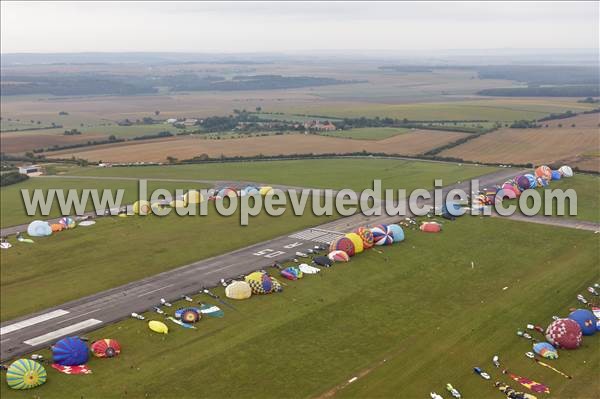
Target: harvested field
<point>16,142</point>
<point>544,145</point>
<point>415,142</point>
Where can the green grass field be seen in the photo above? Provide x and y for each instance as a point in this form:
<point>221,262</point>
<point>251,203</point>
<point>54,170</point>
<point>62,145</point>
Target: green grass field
<point>356,174</point>
<point>12,208</point>
<point>406,322</point>
<point>61,267</point>
<point>368,133</point>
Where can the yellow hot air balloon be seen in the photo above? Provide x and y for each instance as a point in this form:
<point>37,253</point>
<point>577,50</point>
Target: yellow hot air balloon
<point>265,190</point>
<point>238,290</point>
<point>193,197</point>
<point>158,327</point>
<point>178,204</point>
<point>142,207</point>
<point>357,241</point>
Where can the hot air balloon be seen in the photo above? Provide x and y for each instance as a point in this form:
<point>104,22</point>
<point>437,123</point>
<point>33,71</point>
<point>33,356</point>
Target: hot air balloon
<point>193,197</point>
<point>251,190</point>
<point>542,182</point>
<point>67,222</point>
<point>397,232</point>
<point>338,256</point>
<point>564,333</point>
<point>431,227</point>
<point>227,192</point>
<point>357,241</point>
<point>142,207</point>
<point>544,171</point>
<point>259,282</point>
<point>566,171</point>
<point>190,315</point>
<point>39,228</point>
<point>381,235</point>
<point>25,374</point>
<point>522,182</point>
<point>238,290</point>
<point>265,190</point>
<point>306,269</point>
<point>106,348</point>
<point>366,235</point>
<point>532,180</point>
<point>556,175</point>
<point>211,311</point>
<point>56,227</point>
<point>586,320</point>
<point>70,351</point>
<point>511,186</point>
<point>342,244</point>
<point>158,327</point>
<point>291,273</point>
<point>545,350</point>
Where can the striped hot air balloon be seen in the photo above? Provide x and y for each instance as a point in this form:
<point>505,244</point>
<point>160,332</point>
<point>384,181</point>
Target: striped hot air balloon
<point>70,351</point>
<point>25,374</point>
<point>366,235</point>
<point>106,348</point>
<point>342,244</point>
<point>338,256</point>
<point>382,235</point>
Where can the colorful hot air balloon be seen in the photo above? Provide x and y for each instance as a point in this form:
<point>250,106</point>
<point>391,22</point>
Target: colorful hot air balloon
<point>566,171</point>
<point>291,273</point>
<point>556,175</point>
<point>522,182</point>
<point>190,315</point>
<point>545,350</point>
<point>25,374</point>
<point>105,348</point>
<point>357,241</point>
<point>56,227</point>
<point>564,333</point>
<point>366,235</point>
<point>342,244</point>
<point>511,186</point>
<point>39,228</point>
<point>227,192</point>
<point>532,180</point>
<point>260,283</point>
<point>586,320</point>
<point>430,227</point>
<point>338,256</point>
<point>142,207</point>
<point>211,311</point>
<point>544,171</point>
<point>238,290</point>
<point>67,222</point>
<point>158,327</point>
<point>381,235</point>
<point>397,232</point>
<point>251,190</point>
<point>70,351</point>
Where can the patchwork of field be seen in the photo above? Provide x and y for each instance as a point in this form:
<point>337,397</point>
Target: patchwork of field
<point>550,144</point>
<point>412,143</point>
<point>367,133</point>
<point>405,320</point>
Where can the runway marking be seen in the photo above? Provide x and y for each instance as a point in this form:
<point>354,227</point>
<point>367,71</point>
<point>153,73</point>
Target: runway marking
<point>317,235</point>
<point>158,289</point>
<point>61,332</point>
<point>34,320</point>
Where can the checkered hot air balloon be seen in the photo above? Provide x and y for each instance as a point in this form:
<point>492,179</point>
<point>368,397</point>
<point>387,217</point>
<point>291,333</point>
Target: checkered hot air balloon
<point>564,333</point>
<point>106,348</point>
<point>262,283</point>
<point>342,244</point>
<point>382,235</point>
<point>25,374</point>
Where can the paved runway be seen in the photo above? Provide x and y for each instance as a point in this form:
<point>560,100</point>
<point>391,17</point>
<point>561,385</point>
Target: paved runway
<point>41,329</point>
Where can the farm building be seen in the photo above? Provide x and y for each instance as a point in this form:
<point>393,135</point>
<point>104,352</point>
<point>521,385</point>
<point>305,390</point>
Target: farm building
<point>30,170</point>
<point>318,125</point>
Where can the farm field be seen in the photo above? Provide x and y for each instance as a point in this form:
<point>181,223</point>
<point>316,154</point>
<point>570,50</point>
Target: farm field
<point>62,267</point>
<point>367,133</point>
<point>542,145</point>
<point>412,143</point>
<point>356,174</point>
<point>378,318</point>
<point>13,210</point>
<point>503,109</point>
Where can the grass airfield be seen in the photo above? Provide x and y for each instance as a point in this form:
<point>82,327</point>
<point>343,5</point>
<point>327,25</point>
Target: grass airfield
<point>405,321</point>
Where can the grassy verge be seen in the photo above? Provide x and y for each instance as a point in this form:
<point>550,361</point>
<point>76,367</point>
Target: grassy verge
<point>407,321</point>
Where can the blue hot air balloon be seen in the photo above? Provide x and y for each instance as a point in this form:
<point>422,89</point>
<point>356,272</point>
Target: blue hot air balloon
<point>532,180</point>
<point>397,232</point>
<point>586,320</point>
<point>70,351</point>
<point>545,350</point>
<point>556,175</point>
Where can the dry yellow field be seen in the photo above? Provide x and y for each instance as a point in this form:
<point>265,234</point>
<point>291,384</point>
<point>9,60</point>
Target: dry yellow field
<point>579,145</point>
<point>412,143</point>
<point>17,142</point>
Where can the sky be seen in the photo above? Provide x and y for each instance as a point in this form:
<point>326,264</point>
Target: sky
<point>246,26</point>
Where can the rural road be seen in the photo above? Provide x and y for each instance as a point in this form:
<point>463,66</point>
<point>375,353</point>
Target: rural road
<point>35,331</point>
